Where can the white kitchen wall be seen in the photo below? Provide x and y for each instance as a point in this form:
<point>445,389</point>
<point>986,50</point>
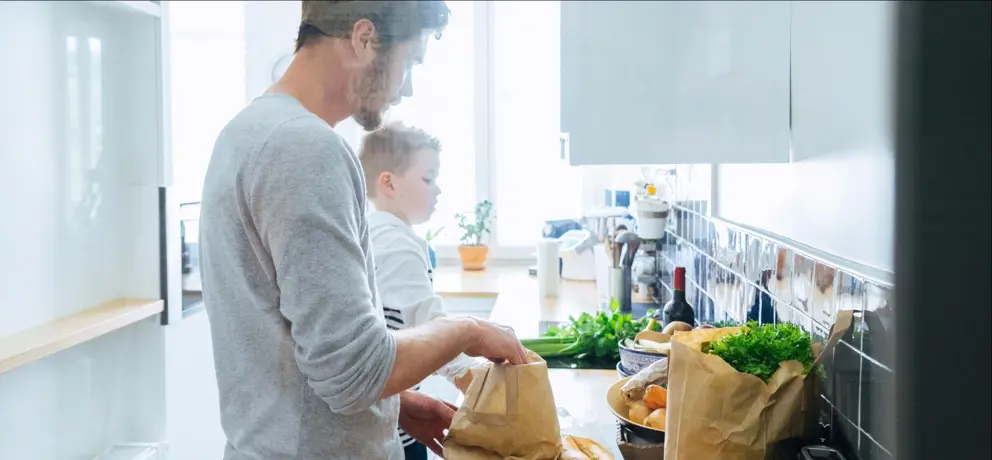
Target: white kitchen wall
<point>78,189</point>
<point>843,204</point>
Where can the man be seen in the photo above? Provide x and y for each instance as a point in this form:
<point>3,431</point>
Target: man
<point>305,365</point>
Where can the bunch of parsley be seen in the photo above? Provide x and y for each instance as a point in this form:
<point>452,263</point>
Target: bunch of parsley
<point>758,350</point>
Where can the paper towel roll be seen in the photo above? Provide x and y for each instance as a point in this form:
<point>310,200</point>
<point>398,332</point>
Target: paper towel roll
<point>547,267</point>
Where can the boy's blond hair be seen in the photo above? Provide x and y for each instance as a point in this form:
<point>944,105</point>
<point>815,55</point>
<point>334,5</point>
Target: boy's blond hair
<point>390,149</point>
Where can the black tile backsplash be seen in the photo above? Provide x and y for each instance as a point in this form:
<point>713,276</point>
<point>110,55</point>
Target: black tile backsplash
<point>737,273</point>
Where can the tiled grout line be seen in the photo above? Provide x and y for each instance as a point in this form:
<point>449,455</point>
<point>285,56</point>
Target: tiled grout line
<point>691,281</point>
<point>773,297</point>
<point>744,279</point>
<point>792,247</point>
<point>861,367</point>
<point>866,356</point>
<point>860,430</point>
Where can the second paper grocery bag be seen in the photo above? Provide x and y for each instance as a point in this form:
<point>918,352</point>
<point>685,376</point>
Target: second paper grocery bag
<point>509,413</point>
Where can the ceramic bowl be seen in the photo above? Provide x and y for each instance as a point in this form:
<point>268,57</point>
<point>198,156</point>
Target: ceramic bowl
<point>619,409</point>
<point>635,360</point>
<point>622,372</point>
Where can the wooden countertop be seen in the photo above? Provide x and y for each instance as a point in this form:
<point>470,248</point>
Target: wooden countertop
<point>38,342</point>
<point>580,394</point>
<point>518,304</point>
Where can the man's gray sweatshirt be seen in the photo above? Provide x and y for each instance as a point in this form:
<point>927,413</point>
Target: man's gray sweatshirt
<point>301,348</point>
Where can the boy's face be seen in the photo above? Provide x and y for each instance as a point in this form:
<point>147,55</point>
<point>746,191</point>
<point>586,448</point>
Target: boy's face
<point>415,191</point>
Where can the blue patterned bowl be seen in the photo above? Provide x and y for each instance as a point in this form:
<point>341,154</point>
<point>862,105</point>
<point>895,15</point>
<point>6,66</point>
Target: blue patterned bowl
<point>622,372</point>
<point>635,360</point>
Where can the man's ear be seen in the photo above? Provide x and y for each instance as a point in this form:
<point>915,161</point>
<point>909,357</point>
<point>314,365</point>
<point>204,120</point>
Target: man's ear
<point>363,40</point>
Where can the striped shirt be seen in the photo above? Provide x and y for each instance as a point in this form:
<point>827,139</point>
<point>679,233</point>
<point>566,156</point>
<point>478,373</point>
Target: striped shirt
<point>394,322</point>
<point>405,280</point>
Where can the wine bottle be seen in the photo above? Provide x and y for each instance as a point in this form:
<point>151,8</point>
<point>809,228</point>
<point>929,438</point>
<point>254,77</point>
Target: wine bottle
<point>678,309</point>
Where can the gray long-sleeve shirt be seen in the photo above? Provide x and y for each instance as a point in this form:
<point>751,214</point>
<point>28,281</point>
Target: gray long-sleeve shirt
<point>301,348</point>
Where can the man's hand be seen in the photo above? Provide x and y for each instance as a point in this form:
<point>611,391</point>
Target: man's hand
<point>425,418</point>
<point>496,343</point>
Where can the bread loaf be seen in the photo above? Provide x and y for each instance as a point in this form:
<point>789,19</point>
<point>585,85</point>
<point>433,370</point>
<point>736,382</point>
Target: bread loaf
<point>577,448</point>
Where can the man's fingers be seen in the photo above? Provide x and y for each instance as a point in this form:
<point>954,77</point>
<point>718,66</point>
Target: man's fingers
<point>435,447</point>
<point>519,355</point>
<point>452,406</point>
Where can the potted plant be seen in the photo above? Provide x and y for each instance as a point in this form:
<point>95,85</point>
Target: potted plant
<point>472,250</point>
<point>431,234</point>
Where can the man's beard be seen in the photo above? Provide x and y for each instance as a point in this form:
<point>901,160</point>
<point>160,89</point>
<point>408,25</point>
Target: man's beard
<point>369,94</point>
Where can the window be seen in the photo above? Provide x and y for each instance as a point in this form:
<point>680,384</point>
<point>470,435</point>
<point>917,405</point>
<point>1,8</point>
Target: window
<point>532,183</point>
<point>444,97</point>
<point>489,91</point>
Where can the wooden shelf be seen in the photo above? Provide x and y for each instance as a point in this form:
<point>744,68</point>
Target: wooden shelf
<point>47,339</point>
<point>140,7</point>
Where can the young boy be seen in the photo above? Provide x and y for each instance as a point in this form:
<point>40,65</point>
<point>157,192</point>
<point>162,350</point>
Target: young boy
<point>401,167</point>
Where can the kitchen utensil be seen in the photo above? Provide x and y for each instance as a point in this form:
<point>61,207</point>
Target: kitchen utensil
<point>617,284</point>
<point>629,238</point>
<point>615,254</point>
<point>615,400</point>
<point>629,242</point>
<point>632,247</point>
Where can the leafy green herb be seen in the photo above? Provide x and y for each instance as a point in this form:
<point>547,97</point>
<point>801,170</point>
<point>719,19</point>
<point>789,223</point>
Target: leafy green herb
<point>725,323</point>
<point>590,335</point>
<point>758,350</point>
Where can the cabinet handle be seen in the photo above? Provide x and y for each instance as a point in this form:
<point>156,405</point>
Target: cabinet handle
<point>563,146</point>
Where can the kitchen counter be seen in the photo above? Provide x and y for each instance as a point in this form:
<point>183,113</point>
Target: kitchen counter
<point>580,394</point>
<point>518,304</point>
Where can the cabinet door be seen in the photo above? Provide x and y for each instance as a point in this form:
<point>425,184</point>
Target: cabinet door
<point>842,77</point>
<point>731,81</point>
<point>616,82</point>
<point>675,82</point>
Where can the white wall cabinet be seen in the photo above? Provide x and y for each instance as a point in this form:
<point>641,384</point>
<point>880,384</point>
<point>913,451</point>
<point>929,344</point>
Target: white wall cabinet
<point>81,139</point>
<point>842,80</point>
<point>675,82</point>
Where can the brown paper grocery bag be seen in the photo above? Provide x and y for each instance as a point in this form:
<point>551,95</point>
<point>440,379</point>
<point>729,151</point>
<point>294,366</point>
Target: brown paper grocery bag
<point>509,413</point>
<point>717,413</point>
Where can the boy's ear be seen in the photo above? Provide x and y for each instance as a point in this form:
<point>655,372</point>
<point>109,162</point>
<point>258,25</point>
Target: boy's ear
<point>384,184</point>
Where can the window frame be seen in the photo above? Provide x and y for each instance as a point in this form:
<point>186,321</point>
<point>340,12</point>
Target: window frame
<point>485,145</point>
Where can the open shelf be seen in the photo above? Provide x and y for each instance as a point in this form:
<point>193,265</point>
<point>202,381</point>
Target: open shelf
<point>47,339</point>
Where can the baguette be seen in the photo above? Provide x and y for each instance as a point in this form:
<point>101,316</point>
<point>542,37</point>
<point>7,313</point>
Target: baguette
<point>577,448</point>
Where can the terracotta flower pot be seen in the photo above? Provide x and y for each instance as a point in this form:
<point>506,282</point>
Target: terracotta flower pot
<point>473,257</point>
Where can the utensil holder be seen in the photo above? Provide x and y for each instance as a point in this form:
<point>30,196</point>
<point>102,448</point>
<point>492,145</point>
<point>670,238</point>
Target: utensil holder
<point>620,286</point>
